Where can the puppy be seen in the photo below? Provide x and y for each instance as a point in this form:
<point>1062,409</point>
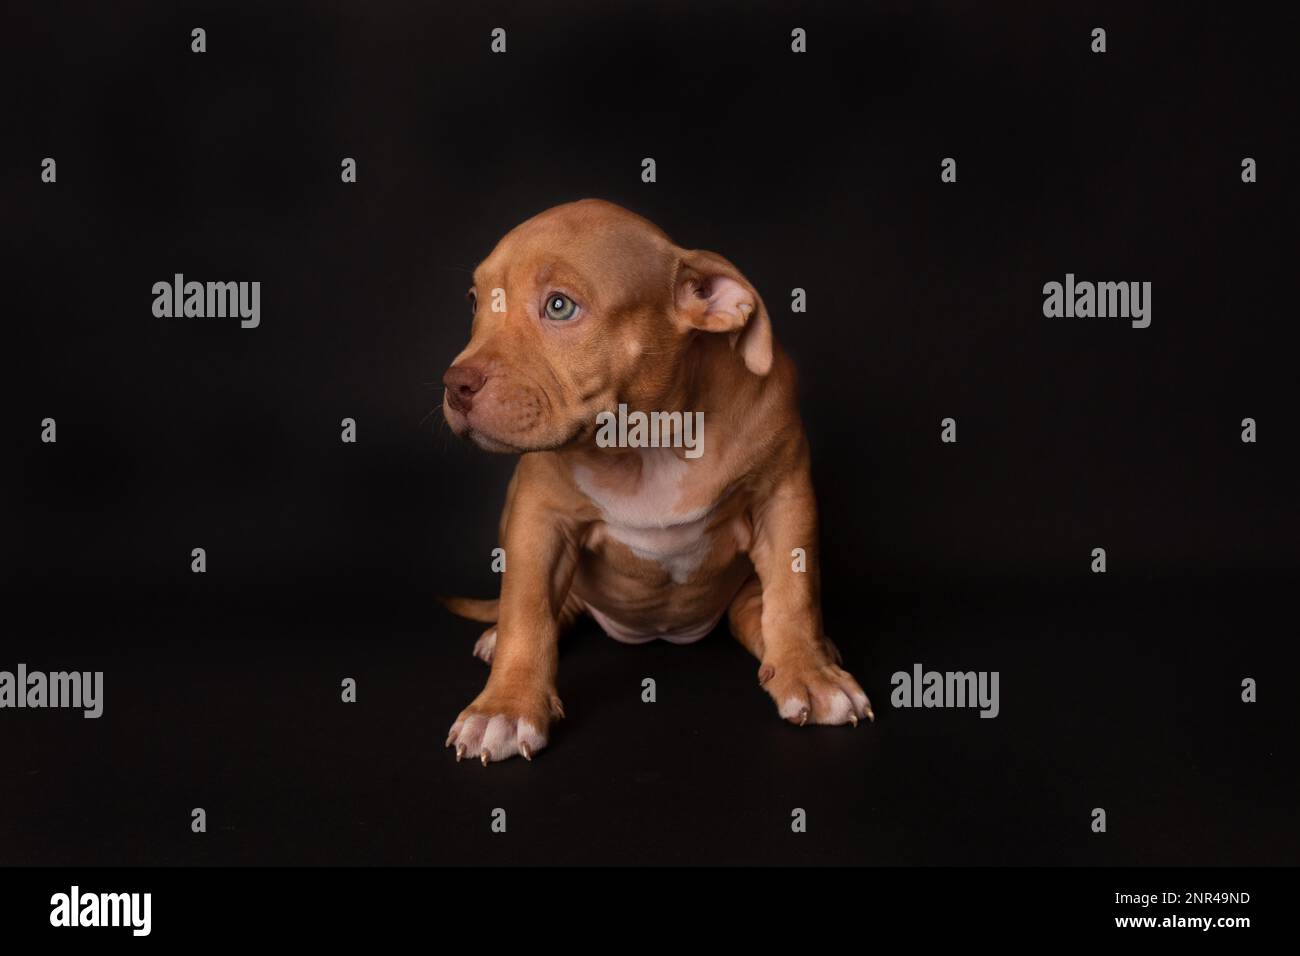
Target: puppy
<point>577,311</point>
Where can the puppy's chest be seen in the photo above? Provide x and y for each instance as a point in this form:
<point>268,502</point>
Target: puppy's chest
<point>664,517</point>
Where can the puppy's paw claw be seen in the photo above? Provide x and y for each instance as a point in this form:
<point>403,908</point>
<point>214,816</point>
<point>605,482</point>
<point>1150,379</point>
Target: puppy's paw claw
<point>817,693</point>
<point>497,731</point>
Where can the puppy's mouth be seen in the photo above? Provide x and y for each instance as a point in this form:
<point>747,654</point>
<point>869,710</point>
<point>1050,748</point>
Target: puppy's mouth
<point>464,426</point>
<point>488,443</point>
<point>493,444</point>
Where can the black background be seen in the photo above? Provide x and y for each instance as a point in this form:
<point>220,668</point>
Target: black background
<point>819,171</point>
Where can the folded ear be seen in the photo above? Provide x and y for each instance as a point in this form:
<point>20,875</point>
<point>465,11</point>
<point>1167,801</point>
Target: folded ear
<point>713,296</point>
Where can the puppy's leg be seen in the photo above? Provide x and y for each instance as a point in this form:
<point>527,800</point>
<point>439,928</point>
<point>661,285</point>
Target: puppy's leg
<point>745,616</point>
<point>514,712</point>
<point>798,665</point>
<point>485,647</point>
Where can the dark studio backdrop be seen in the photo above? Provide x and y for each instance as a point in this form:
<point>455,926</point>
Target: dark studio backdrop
<point>819,171</point>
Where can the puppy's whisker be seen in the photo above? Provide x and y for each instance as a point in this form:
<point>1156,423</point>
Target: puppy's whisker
<point>433,411</point>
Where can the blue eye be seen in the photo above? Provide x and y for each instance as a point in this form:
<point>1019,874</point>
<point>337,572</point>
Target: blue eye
<point>559,307</point>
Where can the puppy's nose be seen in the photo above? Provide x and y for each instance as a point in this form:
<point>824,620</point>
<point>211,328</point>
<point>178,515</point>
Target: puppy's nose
<point>462,382</point>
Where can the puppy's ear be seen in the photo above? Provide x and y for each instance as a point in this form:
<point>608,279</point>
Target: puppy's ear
<point>713,296</point>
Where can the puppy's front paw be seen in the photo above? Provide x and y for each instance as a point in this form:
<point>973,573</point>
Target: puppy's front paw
<point>814,692</point>
<point>495,727</point>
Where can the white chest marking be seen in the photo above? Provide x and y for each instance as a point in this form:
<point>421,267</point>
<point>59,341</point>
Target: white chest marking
<point>646,518</point>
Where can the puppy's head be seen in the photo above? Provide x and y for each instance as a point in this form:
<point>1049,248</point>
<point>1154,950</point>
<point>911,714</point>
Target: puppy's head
<point>580,308</point>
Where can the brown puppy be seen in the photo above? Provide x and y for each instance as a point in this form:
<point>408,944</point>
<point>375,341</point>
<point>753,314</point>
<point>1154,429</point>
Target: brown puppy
<point>578,310</point>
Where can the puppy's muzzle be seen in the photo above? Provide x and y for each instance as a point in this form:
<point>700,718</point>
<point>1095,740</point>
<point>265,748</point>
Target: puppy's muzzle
<point>463,383</point>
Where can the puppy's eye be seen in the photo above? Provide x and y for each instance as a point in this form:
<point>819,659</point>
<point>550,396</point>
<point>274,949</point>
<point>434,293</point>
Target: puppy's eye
<point>559,307</point>
<point>473,302</point>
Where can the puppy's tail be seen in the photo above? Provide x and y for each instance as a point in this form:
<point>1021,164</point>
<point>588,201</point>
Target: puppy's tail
<point>472,608</point>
